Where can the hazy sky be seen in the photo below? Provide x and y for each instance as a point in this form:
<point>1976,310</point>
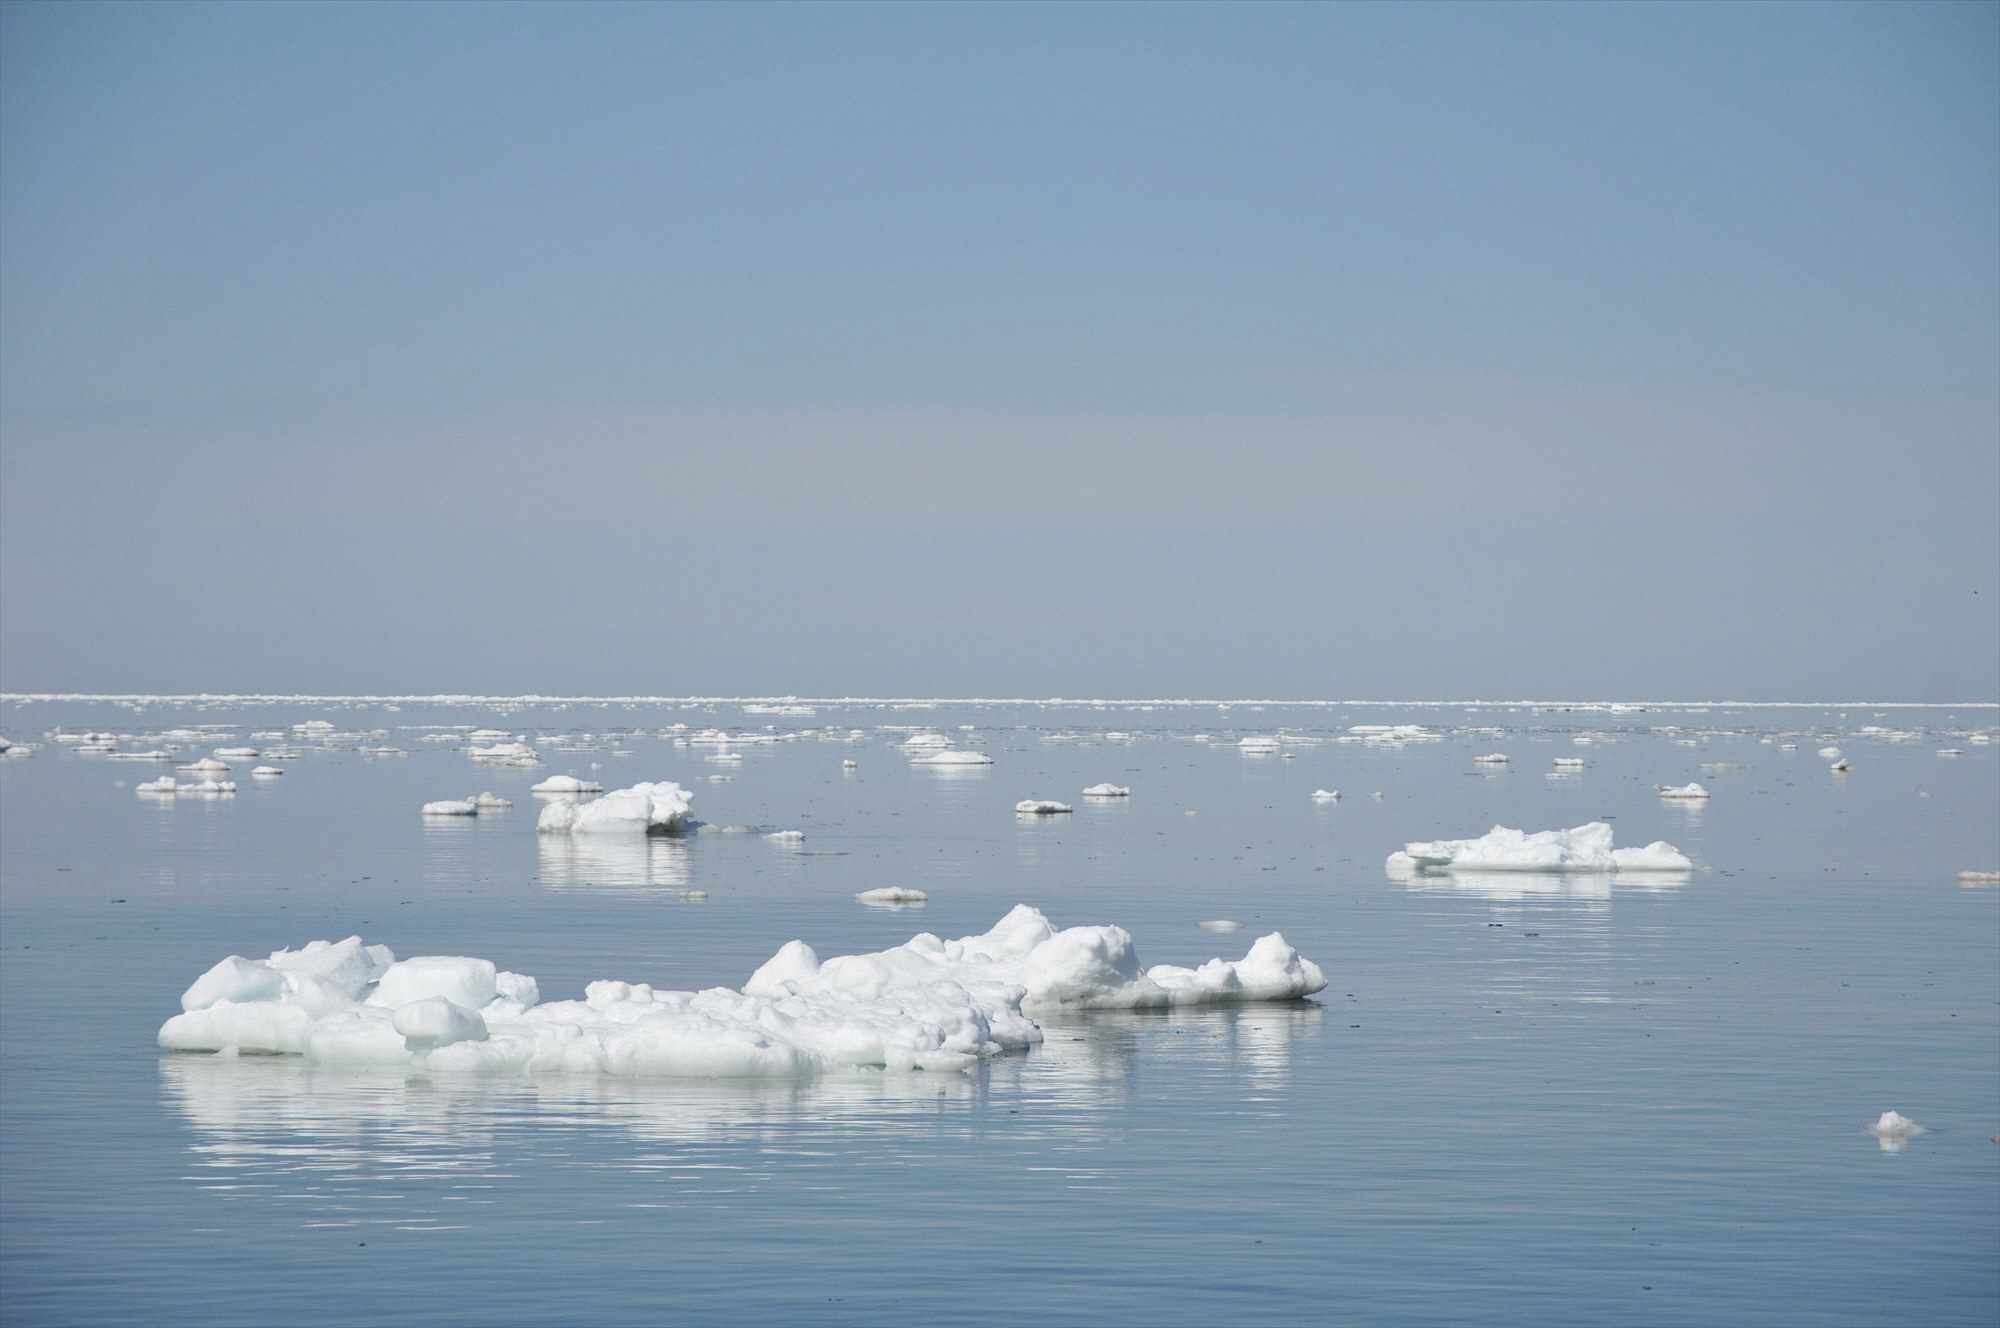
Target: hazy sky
<point>1233,350</point>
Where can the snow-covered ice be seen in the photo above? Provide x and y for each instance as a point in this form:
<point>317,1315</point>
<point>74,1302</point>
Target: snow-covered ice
<point>1893,1129</point>
<point>1107,791</point>
<point>267,772</point>
<point>1585,848</point>
<point>1692,791</point>
<point>1326,795</point>
<point>659,808</point>
<point>566,784</point>
<point>1492,758</point>
<point>1979,878</point>
<point>452,807</point>
<point>892,894</point>
<point>787,836</point>
<point>929,1004</point>
<point>953,758</point>
<point>167,784</point>
<point>1569,763</point>
<point>1041,807</point>
<point>505,753</point>
<point>491,802</point>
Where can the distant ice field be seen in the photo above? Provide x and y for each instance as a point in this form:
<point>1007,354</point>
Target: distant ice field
<point>1551,1096</point>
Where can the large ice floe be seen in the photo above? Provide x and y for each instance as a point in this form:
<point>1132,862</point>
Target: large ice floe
<point>1587,848</point>
<point>928,1004</point>
<point>643,809</point>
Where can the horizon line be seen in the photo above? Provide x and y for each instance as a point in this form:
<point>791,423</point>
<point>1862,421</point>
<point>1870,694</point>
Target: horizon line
<point>534,698</point>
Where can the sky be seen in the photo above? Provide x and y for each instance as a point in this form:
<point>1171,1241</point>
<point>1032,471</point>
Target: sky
<point>1305,351</point>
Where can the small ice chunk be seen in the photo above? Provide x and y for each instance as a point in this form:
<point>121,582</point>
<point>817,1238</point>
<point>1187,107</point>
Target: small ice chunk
<point>267,772</point>
<point>1107,791</point>
<point>1979,878</point>
<point>952,758</point>
<point>850,765</point>
<point>1683,791</point>
<point>452,807</point>
<point>787,836</point>
<point>1829,753</point>
<point>1569,763</point>
<point>1326,795</point>
<point>1041,807</point>
<point>660,808</point>
<point>892,894</point>
<point>1893,1130</point>
<point>207,765</point>
<point>1492,758</point>
<point>566,784</point>
<point>1257,746</point>
<point>236,980</point>
<point>240,753</point>
<point>433,1022</point>
<point>1842,766</point>
<point>468,982</point>
<point>490,802</point>
<point>1220,924</point>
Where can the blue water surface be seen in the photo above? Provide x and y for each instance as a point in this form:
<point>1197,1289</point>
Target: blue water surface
<point>1525,1099</point>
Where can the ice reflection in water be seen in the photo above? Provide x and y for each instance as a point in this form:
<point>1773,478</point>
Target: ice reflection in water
<point>1519,886</point>
<point>615,864</point>
<point>432,1152</point>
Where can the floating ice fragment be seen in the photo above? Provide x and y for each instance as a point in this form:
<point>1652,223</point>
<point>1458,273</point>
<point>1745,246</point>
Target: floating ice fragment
<point>452,807</point>
<point>1220,924</point>
<point>1842,766</point>
<point>240,753</point>
<point>167,784</point>
<point>1893,1130</point>
<point>566,784</point>
<point>1257,746</point>
<point>207,765</point>
<point>1569,763</point>
<point>1688,791</point>
<point>892,894</point>
<point>1829,753</point>
<point>1492,758</point>
<point>1041,807</point>
<point>267,772</point>
<point>490,802</point>
<point>1585,848</point>
<point>659,808</point>
<point>505,753</point>
<point>1107,791</point>
<point>1979,878</point>
<point>850,765</point>
<point>953,758</point>
<point>1326,795</point>
<point>929,1004</point>
<point>787,836</point>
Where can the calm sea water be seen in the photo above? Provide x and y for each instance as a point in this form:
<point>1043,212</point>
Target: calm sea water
<point>1535,1100</point>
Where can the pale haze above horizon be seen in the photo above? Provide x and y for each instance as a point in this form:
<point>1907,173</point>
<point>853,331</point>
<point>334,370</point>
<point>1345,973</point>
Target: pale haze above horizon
<point>1309,351</point>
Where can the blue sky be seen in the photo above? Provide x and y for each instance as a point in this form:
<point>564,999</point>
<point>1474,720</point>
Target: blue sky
<point>1359,350</point>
